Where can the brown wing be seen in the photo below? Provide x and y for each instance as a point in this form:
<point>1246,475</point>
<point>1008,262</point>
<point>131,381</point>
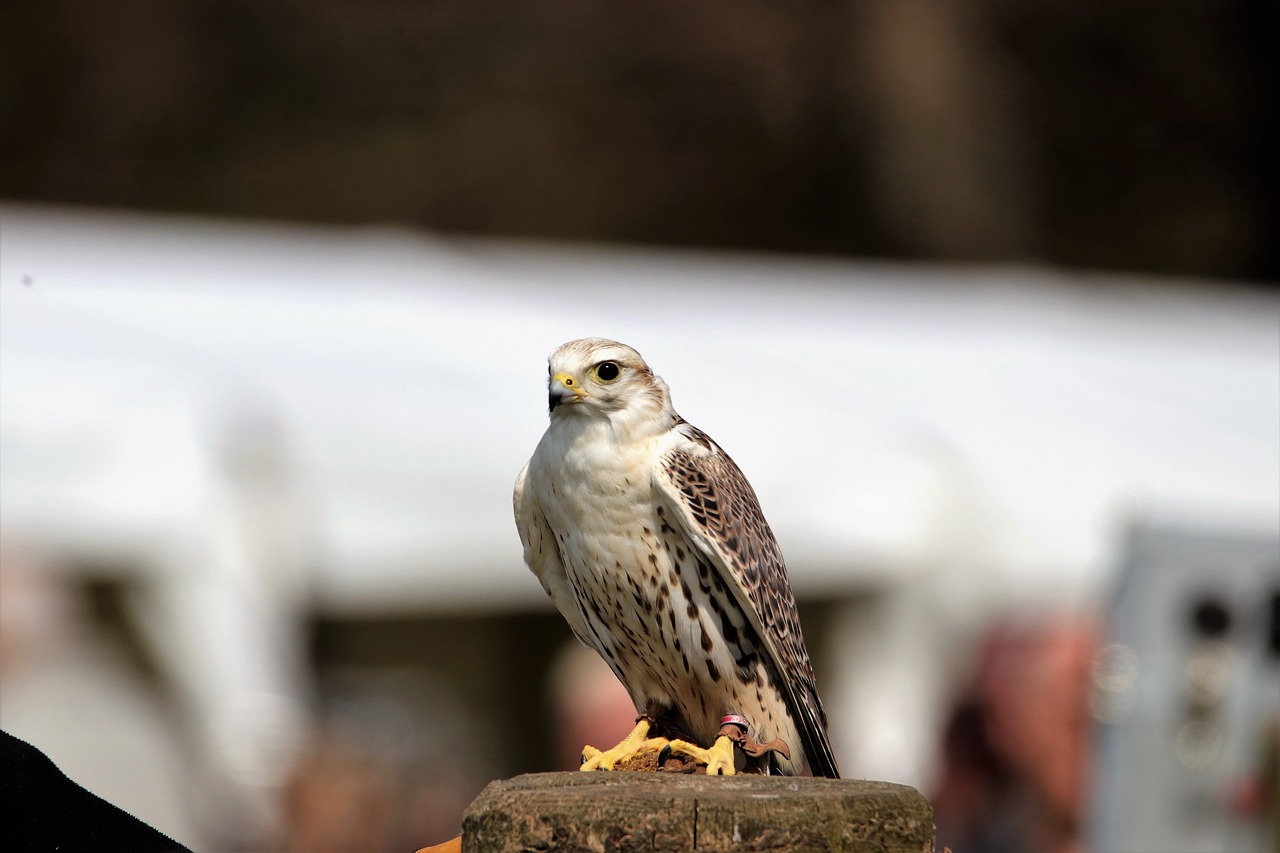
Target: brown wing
<point>722,518</point>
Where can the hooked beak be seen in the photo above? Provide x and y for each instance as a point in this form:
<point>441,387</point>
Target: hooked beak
<point>563,388</point>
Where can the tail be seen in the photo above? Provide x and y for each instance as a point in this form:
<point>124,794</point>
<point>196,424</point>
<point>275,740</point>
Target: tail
<point>817,750</point>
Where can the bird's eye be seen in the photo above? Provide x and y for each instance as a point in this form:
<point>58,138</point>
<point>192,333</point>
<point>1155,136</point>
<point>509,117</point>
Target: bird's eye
<point>607,371</point>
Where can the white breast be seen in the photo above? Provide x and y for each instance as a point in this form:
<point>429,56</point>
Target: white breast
<point>597,497</point>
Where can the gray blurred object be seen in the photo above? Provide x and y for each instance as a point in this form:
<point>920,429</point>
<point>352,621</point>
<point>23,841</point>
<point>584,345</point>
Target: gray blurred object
<point>1184,687</point>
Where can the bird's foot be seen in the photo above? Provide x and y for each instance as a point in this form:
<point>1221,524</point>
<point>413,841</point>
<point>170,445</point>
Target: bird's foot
<point>636,742</point>
<point>722,759</point>
<point>733,752</point>
<point>735,728</point>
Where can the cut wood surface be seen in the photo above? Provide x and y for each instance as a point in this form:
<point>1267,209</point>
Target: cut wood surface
<point>669,812</point>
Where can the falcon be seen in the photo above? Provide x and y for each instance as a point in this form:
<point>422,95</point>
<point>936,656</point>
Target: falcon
<point>651,543</point>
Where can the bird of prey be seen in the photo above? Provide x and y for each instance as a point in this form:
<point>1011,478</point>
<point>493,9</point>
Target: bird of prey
<point>651,544</point>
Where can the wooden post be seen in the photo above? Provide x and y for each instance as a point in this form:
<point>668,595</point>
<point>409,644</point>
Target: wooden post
<point>620,812</point>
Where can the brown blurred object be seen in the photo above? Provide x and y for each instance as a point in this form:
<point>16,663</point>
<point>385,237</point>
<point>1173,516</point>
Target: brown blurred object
<point>337,798</point>
<point>1258,794</point>
<point>1090,134</point>
<point>1016,752</point>
<point>346,793</point>
<point>1269,777</point>
<point>588,704</point>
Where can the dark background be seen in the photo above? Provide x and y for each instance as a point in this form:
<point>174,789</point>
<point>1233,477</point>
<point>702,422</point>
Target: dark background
<point>1131,136</point>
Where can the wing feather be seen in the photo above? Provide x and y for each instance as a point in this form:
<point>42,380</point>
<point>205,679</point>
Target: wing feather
<point>721,517</point>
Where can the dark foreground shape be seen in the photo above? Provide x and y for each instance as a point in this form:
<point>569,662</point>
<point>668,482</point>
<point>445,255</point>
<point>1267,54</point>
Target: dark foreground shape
<point>668,812</point>
<point>47,811</point>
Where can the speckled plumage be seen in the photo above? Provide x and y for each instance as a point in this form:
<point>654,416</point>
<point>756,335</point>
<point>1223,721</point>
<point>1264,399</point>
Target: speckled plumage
<point>651,543</point>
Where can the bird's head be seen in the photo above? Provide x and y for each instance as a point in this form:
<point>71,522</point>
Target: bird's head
<point>602,378</point>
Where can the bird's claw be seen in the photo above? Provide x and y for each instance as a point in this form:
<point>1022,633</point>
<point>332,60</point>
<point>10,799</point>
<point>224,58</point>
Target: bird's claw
<point>722,762</point>
<point>721,759</point>
<point>637,741</point>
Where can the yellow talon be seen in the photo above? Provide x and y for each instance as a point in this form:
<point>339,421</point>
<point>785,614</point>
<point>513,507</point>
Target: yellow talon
<point>637,741</point>
<point>720,758</point>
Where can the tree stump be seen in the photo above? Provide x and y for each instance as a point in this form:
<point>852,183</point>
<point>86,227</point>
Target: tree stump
<point>619,812</point>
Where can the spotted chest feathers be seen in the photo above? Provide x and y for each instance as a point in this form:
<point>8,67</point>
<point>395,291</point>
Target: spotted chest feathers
<point>657,611</point>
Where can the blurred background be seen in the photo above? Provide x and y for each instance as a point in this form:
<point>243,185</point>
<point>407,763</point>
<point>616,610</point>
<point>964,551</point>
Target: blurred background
<point>277,283</point>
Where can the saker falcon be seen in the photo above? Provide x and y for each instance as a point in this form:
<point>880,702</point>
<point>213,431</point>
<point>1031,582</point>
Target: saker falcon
<point>651,544</point>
